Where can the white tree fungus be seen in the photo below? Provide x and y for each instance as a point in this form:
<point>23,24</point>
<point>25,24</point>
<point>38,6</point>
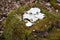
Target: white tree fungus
<point>29,24</point>
<point>32,16</point>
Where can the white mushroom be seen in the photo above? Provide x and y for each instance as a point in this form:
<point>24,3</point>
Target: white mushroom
<point>28,24</point>
<point>32,15</point>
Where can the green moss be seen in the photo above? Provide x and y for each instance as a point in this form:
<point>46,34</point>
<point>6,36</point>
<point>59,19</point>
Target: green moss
<point>16,30</point>
<point>22,9</point>
<point>54,4</point>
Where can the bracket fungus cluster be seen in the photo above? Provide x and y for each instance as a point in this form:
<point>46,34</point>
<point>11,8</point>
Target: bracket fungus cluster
<point>32,16</point>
